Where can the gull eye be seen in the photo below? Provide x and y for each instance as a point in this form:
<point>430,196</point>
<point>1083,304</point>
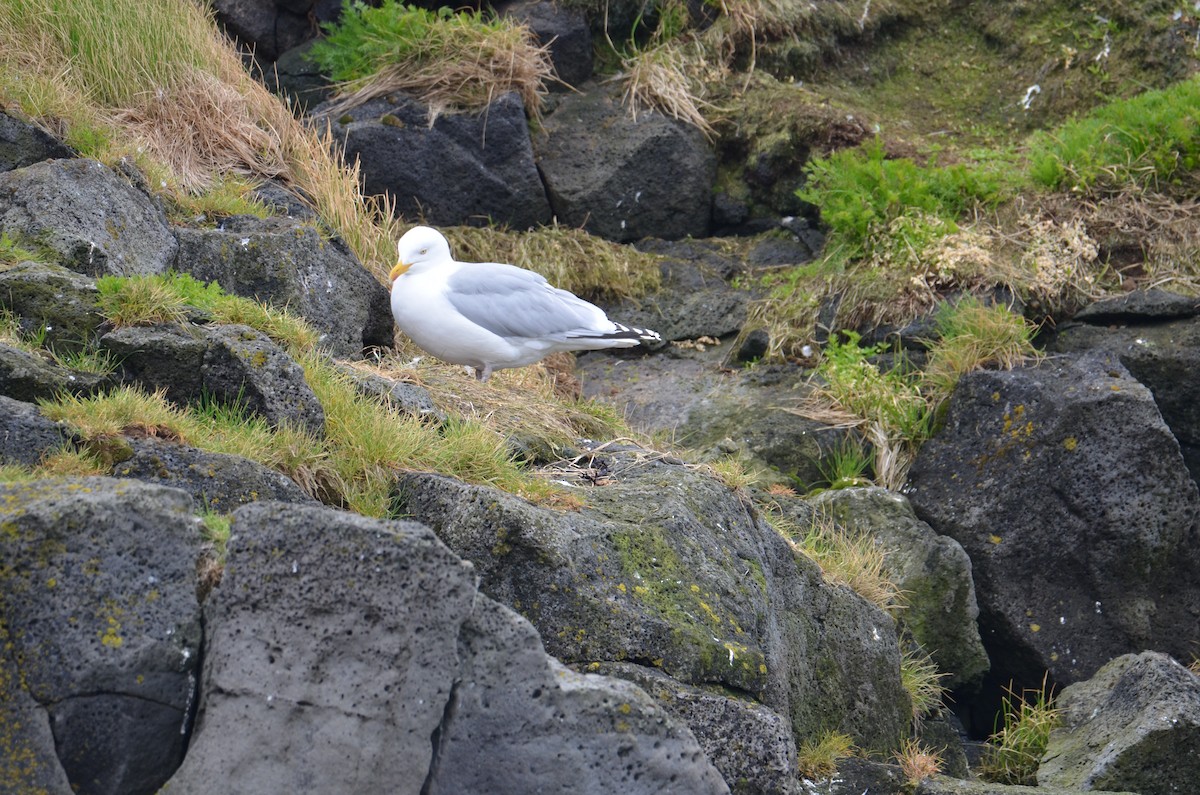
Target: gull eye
<point>425,251</point>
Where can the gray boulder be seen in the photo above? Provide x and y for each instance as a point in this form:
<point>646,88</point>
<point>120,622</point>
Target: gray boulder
<point>296,79</point>
<point>266,28</point>
<point>231,363</point>
<point>564,30</point>
<point>92,218</point>
<point>340,646</point>
<point>624,179</point>
<point>290,265</point>
<point>26,436</point>
<point>752,745</point>
<point>1070,495</point>
<point>31,376</point>
<point>944,785</point>
<point>409,398</point>
<point>103,626</point>
<point>932,571</point>
<point>667,568</point>
<point>53,301</point>
<point>242,364</point>
<point>1156,335</point>
<point>448,168</point>
<point>1135,725</point>
<point>23,144</point>
<point>216,481</point>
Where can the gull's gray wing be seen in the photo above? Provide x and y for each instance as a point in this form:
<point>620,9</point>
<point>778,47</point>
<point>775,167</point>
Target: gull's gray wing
<point>513,302</point>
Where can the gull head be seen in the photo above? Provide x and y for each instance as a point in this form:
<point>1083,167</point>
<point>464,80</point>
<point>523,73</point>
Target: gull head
<point>418,246</point>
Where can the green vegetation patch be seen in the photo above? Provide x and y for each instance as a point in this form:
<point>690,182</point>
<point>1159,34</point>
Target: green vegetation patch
<point>1022,733</point>
<point>451,59</point>
<point>860,190</point>
<point>1150,140</point>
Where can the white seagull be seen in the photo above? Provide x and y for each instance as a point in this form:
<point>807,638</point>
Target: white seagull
<point>488,315</point>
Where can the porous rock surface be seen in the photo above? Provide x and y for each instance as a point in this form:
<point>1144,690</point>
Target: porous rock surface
<point>102,633</point>
<point>289,265</point>
<point>1069,493</point>
<point>93,218</point>
<point>1135,725</point>
<point>624,178</point>
<point>666,568</point>
<point>932,572</point>
<point>448,168</point>
<point>345,654</point>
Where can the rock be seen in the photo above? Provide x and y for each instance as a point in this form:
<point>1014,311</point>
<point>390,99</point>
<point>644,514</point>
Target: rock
<point>23,144</point>
<point>339,646</point>
<point>720,412</point>
<point>242,364</point>
<point>409,398</point>
<point>751,745</point>
<point>562,29</point>
<point>31,377</point>
<point>28,761</point>
<point>298,80</point>
<point>624,179</point>
<point>932,571</point>
<point>88,215</point>
<point>289,265</point>
<point>26,436</point>
<point>231,363</point>
<point>1068,492</point>
<point>168,356</point>
<point>99,604</point>
<point>696,299</point>
<point>666,568</point>
<point>943,785</point>
<point>266,28</point>
<point>448,168</point>
<point>858,777</point>
<point>1140,307</point>
<point>216,481</point>
<point>1135,725</point>
<point>53,301</point>
<point>1161,348</point>
<point>577,733</point>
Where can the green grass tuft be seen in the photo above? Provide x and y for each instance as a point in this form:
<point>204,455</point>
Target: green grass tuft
<point>1150,140</point>
<point>1015,749</point>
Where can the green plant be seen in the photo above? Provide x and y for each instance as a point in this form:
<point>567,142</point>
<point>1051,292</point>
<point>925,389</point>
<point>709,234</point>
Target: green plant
<point>859,191</point>
<point>1152,139</point>
<point>818,757</point>
<point>922,680</point>
<point>15,473</point>
<point>139,301</point>
<point>971,336</point>
<point>1023,731</point>
<point>452,59</point>
<point>845,465</point>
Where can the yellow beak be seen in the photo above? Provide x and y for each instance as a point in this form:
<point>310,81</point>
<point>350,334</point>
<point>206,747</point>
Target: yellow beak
<point>400,268</point>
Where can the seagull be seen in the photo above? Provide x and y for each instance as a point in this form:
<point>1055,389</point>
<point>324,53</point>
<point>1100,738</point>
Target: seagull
<point>489,315</point>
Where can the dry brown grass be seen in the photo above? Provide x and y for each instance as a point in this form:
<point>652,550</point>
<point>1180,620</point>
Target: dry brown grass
<point>505,59</point>
<point>662,78</point>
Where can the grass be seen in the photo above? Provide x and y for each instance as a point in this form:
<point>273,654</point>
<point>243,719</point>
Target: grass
<point>818,757</point>
<point>1016,747</point>
<point>851,559</point>
<point>450,59</point>
<point>916,762</point>
<point>972,336</point>
<point>922,680</point>
<point>1150,140</point>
